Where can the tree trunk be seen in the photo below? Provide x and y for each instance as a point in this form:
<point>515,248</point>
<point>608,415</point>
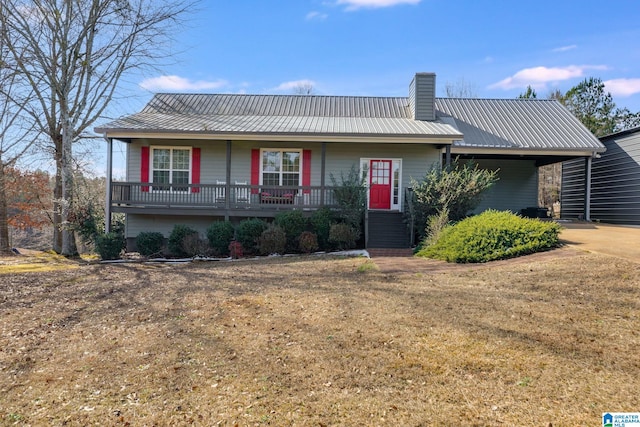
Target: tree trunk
<point>69,247</point>
<point>5,247</point>
<point>57,199</point>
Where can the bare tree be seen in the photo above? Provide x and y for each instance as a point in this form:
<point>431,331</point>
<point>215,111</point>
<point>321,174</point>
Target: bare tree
<point>460,89</point>
<point>303,87</point>
<point>17,132</point>
<point>78,52</point>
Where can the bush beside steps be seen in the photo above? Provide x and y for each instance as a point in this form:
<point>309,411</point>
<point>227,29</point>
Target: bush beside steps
<point>490,236</point>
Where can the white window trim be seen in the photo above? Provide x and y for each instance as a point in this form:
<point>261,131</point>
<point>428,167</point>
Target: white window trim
<point>365,162</point>
<point>152,169</point>
<point>298,150</point>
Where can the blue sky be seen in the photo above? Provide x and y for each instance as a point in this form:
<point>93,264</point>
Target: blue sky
<point>373,48</point>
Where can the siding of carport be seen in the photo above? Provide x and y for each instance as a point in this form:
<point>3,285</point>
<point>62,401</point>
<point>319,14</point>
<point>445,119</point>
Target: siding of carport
<point>572,189</point>
<point>517,187</point>
<point>615,182</point>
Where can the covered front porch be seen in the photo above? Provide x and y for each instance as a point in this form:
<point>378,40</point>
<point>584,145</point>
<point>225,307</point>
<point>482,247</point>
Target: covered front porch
<point>223,199</point>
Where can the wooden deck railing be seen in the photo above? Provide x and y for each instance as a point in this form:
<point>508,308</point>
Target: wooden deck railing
<point>223,196</point>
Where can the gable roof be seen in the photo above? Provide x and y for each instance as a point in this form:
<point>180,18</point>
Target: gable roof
<point>327,118</point>
<point>472,125</point>
<point>517,124</point>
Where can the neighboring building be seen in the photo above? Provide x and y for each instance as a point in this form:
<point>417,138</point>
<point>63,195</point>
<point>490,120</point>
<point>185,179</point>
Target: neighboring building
<point>198,158</point>
<point>614,194</point>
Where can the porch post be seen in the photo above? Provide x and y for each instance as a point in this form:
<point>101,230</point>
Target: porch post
<point>322,172</point>
<point>107,205</point>
<point>228,183</point>
<point>587,188</point>
<point>447,157</point>
<point>366,228</point>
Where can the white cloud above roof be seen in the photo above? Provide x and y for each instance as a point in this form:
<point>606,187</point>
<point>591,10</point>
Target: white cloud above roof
<point>373,4</point>
<point>538,77</point>
<point>565,48</point>
<point>316,16</point>
<point>622,87</point>
<point>180,84</point>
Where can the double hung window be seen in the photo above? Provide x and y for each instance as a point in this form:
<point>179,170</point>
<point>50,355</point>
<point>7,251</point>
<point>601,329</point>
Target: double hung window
<point>170,166</point>
<point>281,167</point>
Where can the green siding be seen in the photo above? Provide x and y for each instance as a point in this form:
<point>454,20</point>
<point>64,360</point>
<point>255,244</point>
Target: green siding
<point>165,223</point>
<point>516,189</point>
<point>416,160</point>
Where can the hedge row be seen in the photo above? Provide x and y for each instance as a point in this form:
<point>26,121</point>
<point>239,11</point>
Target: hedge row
<point>290,232</point>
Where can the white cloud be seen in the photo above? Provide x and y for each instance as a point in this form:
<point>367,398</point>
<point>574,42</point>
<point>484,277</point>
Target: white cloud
<point>318,16</point>
<point>294,84</point>
<point>623,87</point>
<point>374,4</point>
<point>177,83</point>
<point>564,48</point>
<point>538,77</point>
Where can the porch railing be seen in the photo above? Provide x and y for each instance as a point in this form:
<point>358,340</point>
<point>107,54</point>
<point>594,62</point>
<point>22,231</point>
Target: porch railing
<point>229,196</point>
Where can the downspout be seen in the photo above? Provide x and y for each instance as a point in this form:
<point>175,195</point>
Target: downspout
<point>322,172</point>
<point>227,203</point>
<point>108,195</point>
<point>587,188</point>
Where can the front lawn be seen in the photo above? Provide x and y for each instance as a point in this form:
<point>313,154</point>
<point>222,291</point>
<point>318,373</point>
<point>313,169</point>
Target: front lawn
<point>321,341</point>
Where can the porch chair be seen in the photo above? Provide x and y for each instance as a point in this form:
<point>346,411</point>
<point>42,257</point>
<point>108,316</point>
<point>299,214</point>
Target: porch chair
<point>221,195</point>
<point>242,193</point>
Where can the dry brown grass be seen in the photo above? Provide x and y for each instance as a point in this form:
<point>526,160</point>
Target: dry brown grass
<point>321,341</point>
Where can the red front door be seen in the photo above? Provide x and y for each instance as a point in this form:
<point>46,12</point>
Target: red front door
<point>380,184</point>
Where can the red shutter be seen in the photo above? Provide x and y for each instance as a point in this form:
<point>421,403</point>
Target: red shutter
<point>195,169</point>
<point>144,168</point>
<point>306,170</point>
<point>255,170</point>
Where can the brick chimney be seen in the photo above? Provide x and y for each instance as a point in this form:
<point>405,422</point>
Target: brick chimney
<point>422,95</point>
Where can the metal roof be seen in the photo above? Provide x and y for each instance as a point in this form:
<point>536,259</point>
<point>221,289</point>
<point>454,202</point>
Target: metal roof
<point>523,124</point>
<point>285,115</point>
<point>281,124</point>
<point>280,105</point>
<point>480,124</point>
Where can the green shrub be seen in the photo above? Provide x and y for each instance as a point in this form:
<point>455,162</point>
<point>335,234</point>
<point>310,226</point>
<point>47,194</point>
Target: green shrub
<point>177,239</point>
<point>492,235</point>
<point>458,190</point>
<point>308,242</point>
<point>110,245</point>
<point>321,225</point>
<point>220,234</point>
<point>343,236</point>
<point>248,233</point>
<point>293,223</point>
<point>149,243</point>
<point>435,224</point>
<point>273,240</point>
<point>351,195</point>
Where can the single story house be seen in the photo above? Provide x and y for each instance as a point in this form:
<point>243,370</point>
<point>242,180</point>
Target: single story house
<point>198,158</point>
<point>611,187</point>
